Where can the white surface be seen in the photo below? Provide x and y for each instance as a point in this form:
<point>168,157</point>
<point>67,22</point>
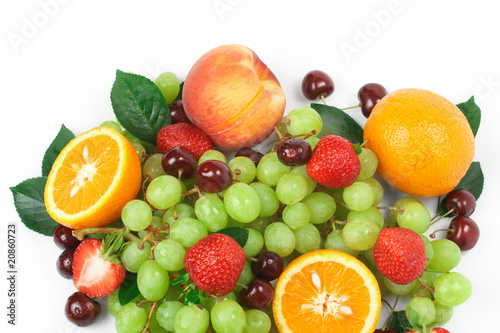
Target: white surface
<point>62,72</point>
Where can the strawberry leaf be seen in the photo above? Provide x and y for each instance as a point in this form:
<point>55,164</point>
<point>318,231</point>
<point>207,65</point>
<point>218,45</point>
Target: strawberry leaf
<point>139,106</point>
<point>339,123</point>
<point>28,200</point>
<point>60,141</point>
<point>240,235</point>
<point>128,289</point>
<point>399,322</point>
<point>183,279</point>
<point>192,297</point>
<point>473,182</point>
<point>472,112</point>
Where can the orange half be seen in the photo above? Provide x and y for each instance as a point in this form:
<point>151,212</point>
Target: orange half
<point>92,179</point>
<point>326,291</point>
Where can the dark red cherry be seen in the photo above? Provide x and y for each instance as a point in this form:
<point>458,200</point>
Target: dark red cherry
<point>461,201</point>
<point>177,113</point>
<point>64,239</point>
<point>268,265</point>
<point>385,330</point>
<point>179,160</point>
<point>82,310</point>
<point>294,152</point>
<point>464,232</point>
<point>213,176</point>
<point>258,295</point>
<point>369,95</point>
<point>250,153</point>
<point>65,264</point>
<point>316,84</point>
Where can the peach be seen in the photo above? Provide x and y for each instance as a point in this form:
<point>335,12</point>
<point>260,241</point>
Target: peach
<point>233,97</point>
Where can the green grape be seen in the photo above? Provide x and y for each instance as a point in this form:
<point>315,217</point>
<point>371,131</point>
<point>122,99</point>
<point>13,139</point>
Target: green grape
<point>210,210</point>
<point>303,120</point>
<point>136,215</point>
<point>212,155</point>
<point>242,202</point>
<point>133,257</point>
<point>281,126</point>
<point>130,318</point>
<point>446,256</point>
<point>228,317</point>
<point>291,188</point>
<point>269,202</point>
<point>368,254</point>
<point>296,216</point>
<point>443,313</point>
<point>166,314</point>
<point>245,277</point>
<point>307,239</point>
<point>169,86</point>
<point>113,124</point>
<point>164,191</point>
<point>130,137</point>
<point>321,205</point>
<point>369,163</point>
<point>233,223</point>
<point>313,141</point>
<point>336,241</point>
<point>177,212</point>
<point>372,214</point>
<point>301,170</point>
<point>399,289</point>
<point>270,169</point>
<point>243,169</point>
<point>140,150</point>
<point>378,189</point>
<point>452,289</point>
<point>170,255</point>
<point>191,319</point>
<point>360,234</point>
<point>427,278</point>
<point>260,224</point>
<point>254,243</point>
<point>424,309</point>
<point>279,238</point>
<point>152,280</point>
<point>211,301</point>
<point>399,204</point>
<point>429,251</point>
<point>257,321</point>
<point>152,167</point>
<point>188,231</point>
<point>113,302</point>
<point>358,196</point>
<point>415,217</point>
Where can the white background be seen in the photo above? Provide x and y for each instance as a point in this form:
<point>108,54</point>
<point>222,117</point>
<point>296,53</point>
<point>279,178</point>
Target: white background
<point>61,70</point>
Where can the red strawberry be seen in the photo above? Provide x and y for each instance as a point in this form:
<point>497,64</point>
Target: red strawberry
<point>334,162</point>
<point>214,263</point>
<point>92,274</point>
<point>184,135</point>
<point>399,255</point>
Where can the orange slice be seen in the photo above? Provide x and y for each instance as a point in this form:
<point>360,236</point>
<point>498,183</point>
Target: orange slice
<point>92,179</point>
<point>326,291</point>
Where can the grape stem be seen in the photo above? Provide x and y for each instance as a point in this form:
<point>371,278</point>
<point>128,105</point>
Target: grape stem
<point>392,311</point>
<point>400,211</point>
<point>146,327</point>
<point>80,234</point>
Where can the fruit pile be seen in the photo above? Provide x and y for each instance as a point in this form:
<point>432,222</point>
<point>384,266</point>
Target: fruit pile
<point>172,213</point>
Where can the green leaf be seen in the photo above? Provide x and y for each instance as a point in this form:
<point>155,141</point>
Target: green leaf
<point>240,235</point>
<point>183,279</point>
<point>473,181</point>
<point>202,296</point>
<point>413,317</point>
<point>179,95</point>
<point>192,297</point>
<point>339,123</point>
<point>28,200</point>
<point>128,289</point>
<point>61,140</point>
<point>472,112</point>
<point>399,322</point>
<point>139,106</point>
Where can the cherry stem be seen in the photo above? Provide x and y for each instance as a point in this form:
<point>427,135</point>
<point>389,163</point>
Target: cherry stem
<point>392,311</point>
<point>351,107</point>
<point>323,98</point>
<point>191,191</point>
<point>437,217</point>
<point>433,235</point>
<point>242,285</point>
<point>278,133</point>
<point>80,234</point>
<point>252,259</point>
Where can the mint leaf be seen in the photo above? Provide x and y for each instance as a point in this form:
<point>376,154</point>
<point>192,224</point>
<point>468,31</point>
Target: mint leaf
<point>128,289</point>
<point>183,279</point>
<point>61,140</point>
<point>139,106</point>
<point>192,297</point>
<point>473,182</point>
<point>28,200</point>
<point>240,235</point>
<point>399,322</point>
<point>339,123</point>
<point>472,112</point>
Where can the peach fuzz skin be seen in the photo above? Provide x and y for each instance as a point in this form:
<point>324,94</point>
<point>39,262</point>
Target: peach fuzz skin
<point>233,97</point>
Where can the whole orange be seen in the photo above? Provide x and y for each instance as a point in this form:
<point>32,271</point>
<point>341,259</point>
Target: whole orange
<point>423,142</point>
